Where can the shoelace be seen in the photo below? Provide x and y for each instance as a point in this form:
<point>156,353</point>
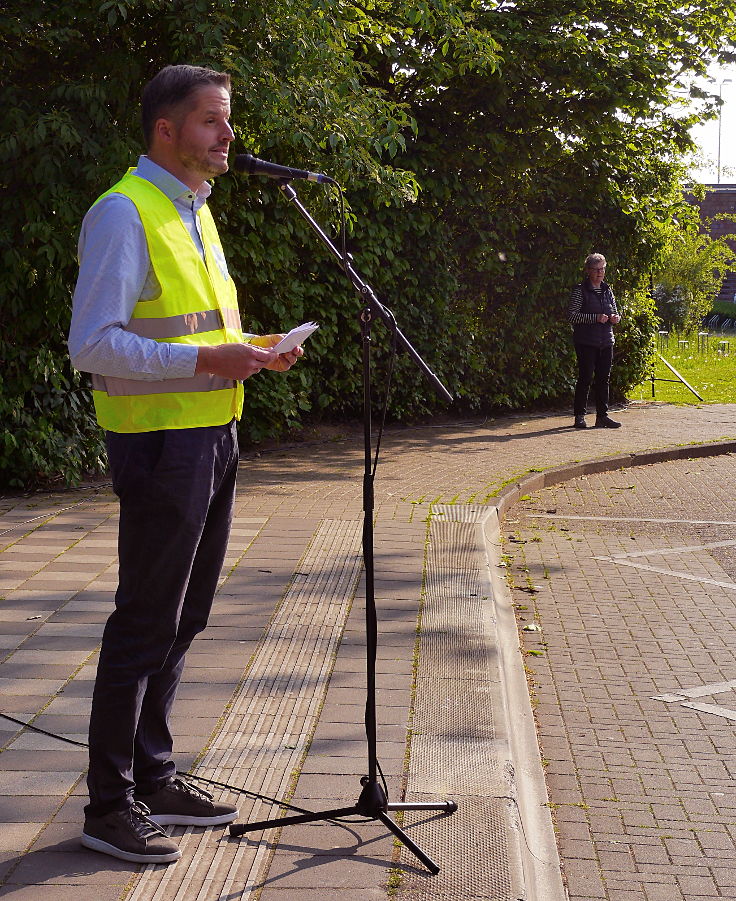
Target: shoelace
<point>144,828</point>
<point>187,788</point>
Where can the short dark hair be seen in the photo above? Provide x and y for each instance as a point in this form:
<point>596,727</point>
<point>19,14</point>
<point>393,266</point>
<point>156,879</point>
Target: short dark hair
<point>171,88</point>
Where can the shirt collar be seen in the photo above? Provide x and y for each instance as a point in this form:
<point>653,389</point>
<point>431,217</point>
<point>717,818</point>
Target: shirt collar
<point>169,184</point>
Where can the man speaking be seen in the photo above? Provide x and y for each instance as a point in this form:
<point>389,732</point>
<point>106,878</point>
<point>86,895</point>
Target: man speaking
<point>155,320</point>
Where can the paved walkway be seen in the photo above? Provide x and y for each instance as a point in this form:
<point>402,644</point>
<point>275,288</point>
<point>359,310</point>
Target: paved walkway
<point>273,696</point>
<point>625,585</point>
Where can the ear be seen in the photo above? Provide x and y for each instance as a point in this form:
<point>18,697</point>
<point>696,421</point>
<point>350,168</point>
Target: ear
<point>164,131</point>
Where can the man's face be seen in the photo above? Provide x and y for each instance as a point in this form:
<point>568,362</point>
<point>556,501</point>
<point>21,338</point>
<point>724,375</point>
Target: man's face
<point>201,139</point>
<point>596,273</point>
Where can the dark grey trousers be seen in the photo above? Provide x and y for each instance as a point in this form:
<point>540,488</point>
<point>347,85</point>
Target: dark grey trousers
<point>176,491</point>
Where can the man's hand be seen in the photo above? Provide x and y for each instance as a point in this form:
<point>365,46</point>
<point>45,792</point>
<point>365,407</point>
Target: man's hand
<point>235,361</point>
<point>241,361</point>
<point>615,318</point>
<point>282,362</point>
<point>602,317</point>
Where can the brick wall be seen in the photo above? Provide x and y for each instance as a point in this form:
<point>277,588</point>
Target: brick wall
<point>721,199</point>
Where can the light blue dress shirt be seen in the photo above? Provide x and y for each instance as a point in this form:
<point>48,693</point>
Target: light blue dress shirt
<point>115,272</point>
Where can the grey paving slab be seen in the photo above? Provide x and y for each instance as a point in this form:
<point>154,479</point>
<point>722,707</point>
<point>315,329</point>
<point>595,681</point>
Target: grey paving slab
<point>28,808</point>
<point>26,607</point>
<point>36,741</point>
<point>317,870</point>
<point>70,658</point>
<point>53,672</point>
<point>70,867</point>
<point>18,836</point>
<point>30,782</point>
<point>20,686</point>
<point>61,724</point>
<point>21,760</point>
<point>34,594</point>
<point>91,892</point>
<point>69,642</point>
<point>22,707</point>
<point>275,892</point>
<point>88,601</point>
<point>27,626</point>
<point>353,713</point>
<point>56,628</point>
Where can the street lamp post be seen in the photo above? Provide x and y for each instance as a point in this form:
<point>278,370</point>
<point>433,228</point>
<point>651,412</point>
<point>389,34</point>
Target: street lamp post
<point>720,114</point>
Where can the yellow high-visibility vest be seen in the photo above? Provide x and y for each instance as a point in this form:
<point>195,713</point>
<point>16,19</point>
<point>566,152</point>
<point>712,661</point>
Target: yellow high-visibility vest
<point>197,305</point>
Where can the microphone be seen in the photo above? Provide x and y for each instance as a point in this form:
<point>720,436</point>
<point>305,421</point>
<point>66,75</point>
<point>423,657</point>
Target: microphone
<point>246,162</point>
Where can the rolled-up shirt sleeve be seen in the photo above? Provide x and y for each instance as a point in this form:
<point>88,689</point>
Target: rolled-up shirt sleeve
<point>114,274</point>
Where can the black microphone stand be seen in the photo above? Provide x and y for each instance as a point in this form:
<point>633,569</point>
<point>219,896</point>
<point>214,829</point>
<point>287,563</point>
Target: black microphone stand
<point>372,802</point>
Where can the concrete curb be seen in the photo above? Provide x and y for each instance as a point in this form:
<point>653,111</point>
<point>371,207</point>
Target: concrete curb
<point>508,495</point>
<point>540,858</point>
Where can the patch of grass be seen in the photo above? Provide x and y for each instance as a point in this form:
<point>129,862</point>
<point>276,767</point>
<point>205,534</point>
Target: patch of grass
<point>710,370</point>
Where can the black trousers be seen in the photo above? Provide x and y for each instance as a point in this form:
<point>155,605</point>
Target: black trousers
<point>176,491</point>
<point>594,364</point>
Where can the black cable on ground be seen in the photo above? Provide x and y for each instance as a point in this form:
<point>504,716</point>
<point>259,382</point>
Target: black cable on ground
<point>233,788</point>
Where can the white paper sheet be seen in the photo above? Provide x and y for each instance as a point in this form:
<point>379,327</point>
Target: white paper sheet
<point>295,337</point>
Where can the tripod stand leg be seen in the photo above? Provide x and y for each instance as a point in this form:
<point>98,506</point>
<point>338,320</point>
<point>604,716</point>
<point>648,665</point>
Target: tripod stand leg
<point>405,840</point>
<point>444,806</point>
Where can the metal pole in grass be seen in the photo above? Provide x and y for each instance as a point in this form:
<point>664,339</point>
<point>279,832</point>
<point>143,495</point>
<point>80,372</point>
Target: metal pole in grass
<point>678,379</point>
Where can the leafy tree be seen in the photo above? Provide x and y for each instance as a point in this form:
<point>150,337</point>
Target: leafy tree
<point>575,141</point>
<point>689,276</point>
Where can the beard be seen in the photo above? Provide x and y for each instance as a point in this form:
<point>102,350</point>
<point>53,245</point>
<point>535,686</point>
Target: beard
<point>203,162</point>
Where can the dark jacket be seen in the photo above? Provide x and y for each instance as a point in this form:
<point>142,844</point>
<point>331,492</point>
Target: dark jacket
<point>585,306</point>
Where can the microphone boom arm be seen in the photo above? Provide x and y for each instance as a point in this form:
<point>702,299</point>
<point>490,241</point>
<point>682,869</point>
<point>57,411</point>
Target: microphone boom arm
<point>365,291</point>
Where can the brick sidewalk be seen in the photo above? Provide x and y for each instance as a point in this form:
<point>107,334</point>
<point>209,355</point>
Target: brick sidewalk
<point>628,581</point>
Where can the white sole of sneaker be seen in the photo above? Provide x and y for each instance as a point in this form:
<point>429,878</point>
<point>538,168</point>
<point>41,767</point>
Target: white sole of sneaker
<point>172,819</point>
<point>96,844</point>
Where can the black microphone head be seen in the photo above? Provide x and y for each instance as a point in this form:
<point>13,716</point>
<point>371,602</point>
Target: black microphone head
<point>245,162</point>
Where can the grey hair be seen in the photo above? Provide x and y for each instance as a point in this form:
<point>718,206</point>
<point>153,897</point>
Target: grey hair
<point>594,259</point>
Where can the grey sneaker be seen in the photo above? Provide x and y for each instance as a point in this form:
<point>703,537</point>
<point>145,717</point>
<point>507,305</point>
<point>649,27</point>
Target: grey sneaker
<point>130,835</point>
<point>179,803</point>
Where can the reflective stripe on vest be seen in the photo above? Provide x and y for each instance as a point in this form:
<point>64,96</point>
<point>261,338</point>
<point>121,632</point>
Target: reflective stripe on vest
<point>162,329</point>
<point>203,381</point>
<point>197,305</point>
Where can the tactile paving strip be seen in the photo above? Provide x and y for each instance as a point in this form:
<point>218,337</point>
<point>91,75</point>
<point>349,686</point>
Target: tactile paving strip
<point>266,732</point>
<point>473,849</point>
<point>453,745</point>
<point>457,751</point>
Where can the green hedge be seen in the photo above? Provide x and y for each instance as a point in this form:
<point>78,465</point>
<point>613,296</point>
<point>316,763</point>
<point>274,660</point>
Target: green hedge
<point>483,158</point>
<point>722,308</point>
